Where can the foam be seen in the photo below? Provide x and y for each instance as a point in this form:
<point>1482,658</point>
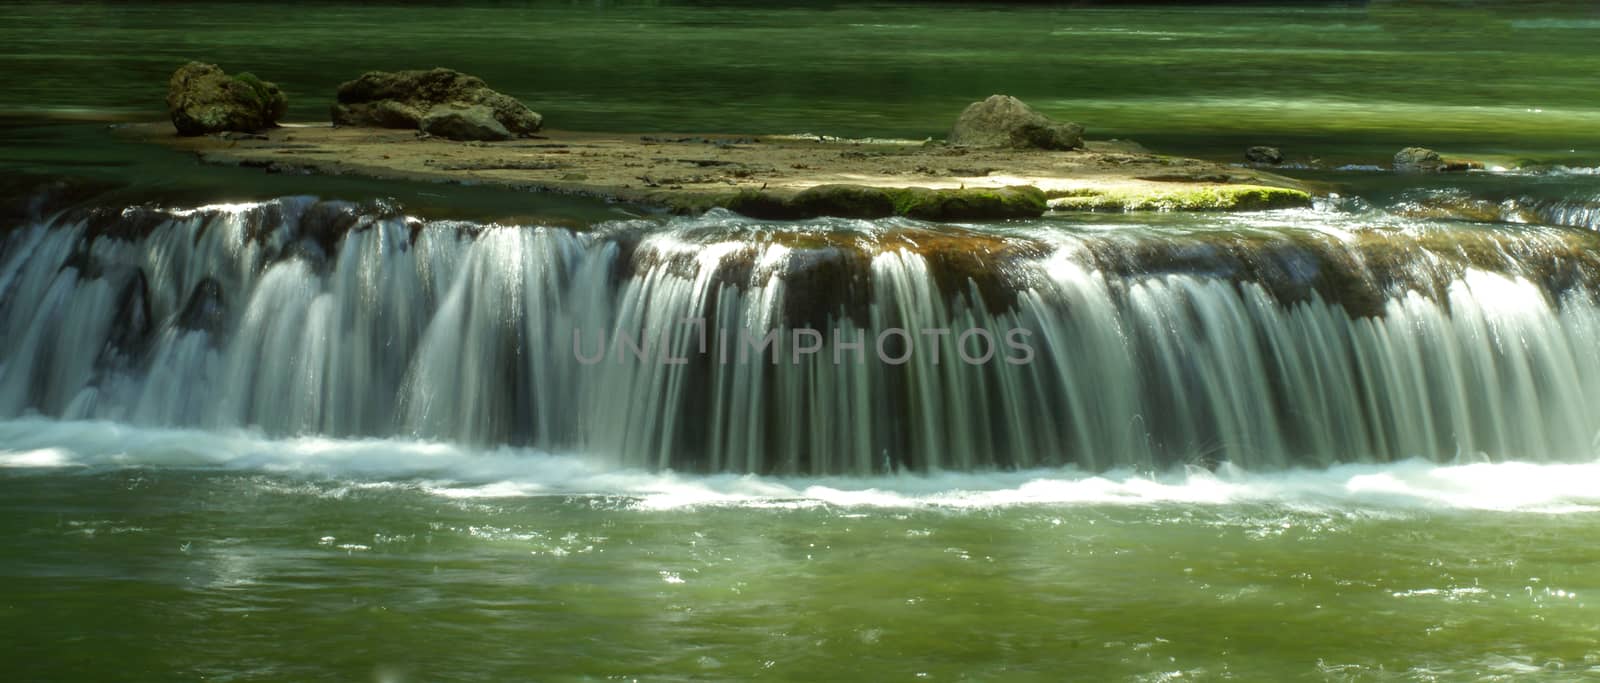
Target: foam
<point>457,472</point>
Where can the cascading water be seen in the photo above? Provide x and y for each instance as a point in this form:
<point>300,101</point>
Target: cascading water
<point>725,344</point>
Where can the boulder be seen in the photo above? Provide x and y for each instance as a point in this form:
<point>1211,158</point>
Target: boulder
<point>1417,160</point>
<point>1424,160</point>
<point>475,122</point>
<point>1263,155</point>
<point>1004,121</point>
<point>202,99</point>
<point>405,99</point>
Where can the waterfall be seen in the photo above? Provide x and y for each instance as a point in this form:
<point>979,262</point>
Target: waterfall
<point>724,344</point>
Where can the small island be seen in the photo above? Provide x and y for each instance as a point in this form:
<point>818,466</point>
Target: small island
<point>1003,159</point>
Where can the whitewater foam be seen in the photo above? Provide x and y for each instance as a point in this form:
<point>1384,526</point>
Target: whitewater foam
<point>38,445</point>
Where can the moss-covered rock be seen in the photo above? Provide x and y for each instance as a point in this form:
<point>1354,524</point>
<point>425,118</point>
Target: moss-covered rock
<point>1424,160</point>
<point>857,201</point>
<point>844,201</point>
<point>202,99</point>
<point>1005,121</point>
<point>457,122</point>
<point>759,204</point>
<point>1020,201</point>
<point>1200,198</point>
<point>402,99</point>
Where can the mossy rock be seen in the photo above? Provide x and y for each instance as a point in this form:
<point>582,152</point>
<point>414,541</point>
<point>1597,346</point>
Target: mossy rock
<point>402,99</point>
<point>844,201</point>
<point>858,201</point>
<point>1021,201</point>
<point>759,204</point>
<point>1204,198</point>
<point>202,99</point>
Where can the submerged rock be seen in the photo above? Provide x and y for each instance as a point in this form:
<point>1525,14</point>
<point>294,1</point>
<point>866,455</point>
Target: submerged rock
<point>206,310</point>
<point>1263,155</point>
<point>454,103</point>
<point>202,99</point>
<point>1004,121</point>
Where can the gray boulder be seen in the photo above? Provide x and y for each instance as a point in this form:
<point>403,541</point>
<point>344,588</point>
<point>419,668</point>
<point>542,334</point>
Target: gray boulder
<point>1263,155</point>
<point>1418,160</point>
<point>202,99</point>
<point>403,99</point>
<point>475,122</point>
<point>1004,121</point>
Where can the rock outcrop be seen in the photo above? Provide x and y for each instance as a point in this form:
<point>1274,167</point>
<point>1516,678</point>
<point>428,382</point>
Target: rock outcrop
<point>202,99</point>
<point>1004,121</point>
<point>456,122</point>
<point>1202,198</point>
<point>441,102</point>
<point>1424,160</point>
<point>1418,160</point>
<point>1263,155</point>
<point>858,201</point>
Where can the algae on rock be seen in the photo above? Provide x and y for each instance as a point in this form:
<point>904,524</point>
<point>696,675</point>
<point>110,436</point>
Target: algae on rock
<point>202,98</point>
<point>860,201</point>
<point>1205,198</point>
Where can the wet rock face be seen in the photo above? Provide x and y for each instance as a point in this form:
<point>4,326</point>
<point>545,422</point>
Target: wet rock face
<point>455,103</point>
<point>1004,121</point>
<point>202,99</point>
<point>1263,155</point>
<point>206,309</point>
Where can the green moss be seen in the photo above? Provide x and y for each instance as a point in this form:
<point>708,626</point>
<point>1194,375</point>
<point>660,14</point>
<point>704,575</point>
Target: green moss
<point>759,204</point>
<point>846,201</point>
<point>1201,198</point>
<point>267,98</point>
<point>969,203</point>
<point>856,201</point>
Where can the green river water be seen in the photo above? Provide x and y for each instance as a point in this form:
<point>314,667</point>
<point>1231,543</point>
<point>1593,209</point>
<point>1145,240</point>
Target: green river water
<point>164,554</point>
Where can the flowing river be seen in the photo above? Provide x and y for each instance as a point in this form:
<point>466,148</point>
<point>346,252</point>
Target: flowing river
<point>276,427</point>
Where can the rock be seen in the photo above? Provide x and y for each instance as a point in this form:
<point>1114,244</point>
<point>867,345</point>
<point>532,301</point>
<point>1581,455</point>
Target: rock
<point>1199,198</point>
<point>1453,165</point>
<point>1003,121</point>
<point>756,204</point>
<point>1417,160</point>
<point>858,201</point>
<point>1424,160</point>
<point>1020,201</point>
<point>1261,154</point>
<point>475,122</point>
<point>405,99</point>
<point>844,201</point>
<point>206,309</point>
<point>202,99</point>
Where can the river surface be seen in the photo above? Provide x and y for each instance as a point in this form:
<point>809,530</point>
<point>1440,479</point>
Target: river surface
<point>1354,442</point>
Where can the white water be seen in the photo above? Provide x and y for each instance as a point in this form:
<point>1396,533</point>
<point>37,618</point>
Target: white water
<point>463,334</point>
<point>457,472</point>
